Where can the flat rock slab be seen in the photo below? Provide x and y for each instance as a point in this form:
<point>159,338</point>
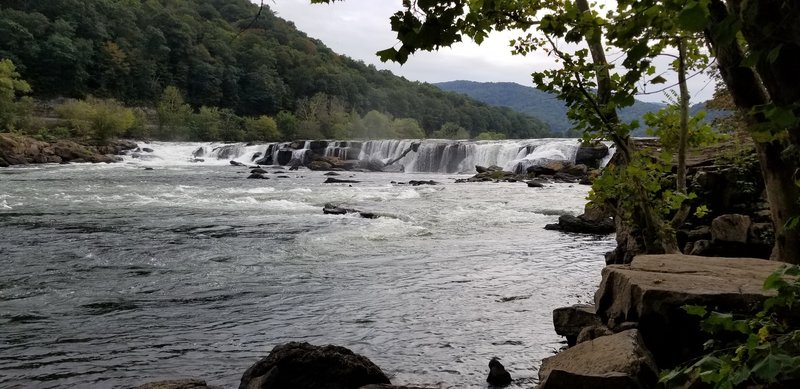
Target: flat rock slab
<point>653,288</point>
<point>615,361</point>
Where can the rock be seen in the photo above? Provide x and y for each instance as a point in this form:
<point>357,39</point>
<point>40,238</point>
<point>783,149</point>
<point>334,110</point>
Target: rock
<point>147,149</point>
<point>700,247</point>
<point>394,168</point>
<point>535,184</point>
<point>331,209</point>
<point>198,160</point>
<point>284,156</point>
<point>579,170</point>
<point>320,165</point>
<point>200,152</point>
<point>256,155</point>
<point>304,366</point>
<point>498,376</point>
<point>653,288</point>
<point>148,168</point>
<point>235,163</point>
<point>420,182</point>
<point>619,361</point>
<point>579,224</point>
<point>331,174</point>
<point>260,176</point>
<point>593,332</point>
<point>189,383</point>
<point>569,321</point>
<point>331,180</point>
<point>591,155</point>
<point>258,170</point>
<point>730,228</point>
<point>388,386</point>
<point>481,169</point>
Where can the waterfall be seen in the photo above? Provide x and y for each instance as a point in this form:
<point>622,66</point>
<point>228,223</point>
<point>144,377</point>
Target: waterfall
<point>432,155</point>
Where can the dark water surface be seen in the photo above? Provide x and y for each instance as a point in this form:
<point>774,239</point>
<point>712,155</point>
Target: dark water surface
<point>113,276</point>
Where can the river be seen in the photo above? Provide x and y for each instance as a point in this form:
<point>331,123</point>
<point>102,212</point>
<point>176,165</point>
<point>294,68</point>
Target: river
<point>113,275</point>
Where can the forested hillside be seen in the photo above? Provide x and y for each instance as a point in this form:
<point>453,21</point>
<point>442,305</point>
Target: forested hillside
<point>218,53</point>
<point>532,101</point>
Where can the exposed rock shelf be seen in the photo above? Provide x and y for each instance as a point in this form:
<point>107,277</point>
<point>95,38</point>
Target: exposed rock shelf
<point>644,301</point>
<point>16,149</point>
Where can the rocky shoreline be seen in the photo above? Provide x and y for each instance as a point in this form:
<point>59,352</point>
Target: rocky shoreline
<point>16,149</point>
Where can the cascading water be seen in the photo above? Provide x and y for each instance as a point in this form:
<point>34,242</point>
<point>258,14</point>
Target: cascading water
<point>431,156</point>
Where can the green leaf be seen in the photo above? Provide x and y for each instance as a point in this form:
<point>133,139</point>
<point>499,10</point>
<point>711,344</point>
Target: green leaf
<point>387,55</point>
<point>768,368</point>
<point>658,80</point>
<point>774,53</point>
<point>693,17</point>
<point>695,310</point>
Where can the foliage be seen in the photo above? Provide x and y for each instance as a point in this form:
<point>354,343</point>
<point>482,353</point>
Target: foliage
<point>13,105</point>
<point>263,128</point>
<point>451,130</point>
<point>218,54</point>
<point>665,123</point>
<point>489,135</point>
<point>96,119</point>
<point>760,349</point>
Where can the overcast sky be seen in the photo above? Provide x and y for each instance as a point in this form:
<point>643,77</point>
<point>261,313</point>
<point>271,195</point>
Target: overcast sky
<point>359,28</point>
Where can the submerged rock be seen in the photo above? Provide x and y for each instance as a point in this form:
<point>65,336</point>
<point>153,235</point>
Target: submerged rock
<point>305,366</point>
<point>235,163</point>
<point>189,383</point>
<point>498,376</point>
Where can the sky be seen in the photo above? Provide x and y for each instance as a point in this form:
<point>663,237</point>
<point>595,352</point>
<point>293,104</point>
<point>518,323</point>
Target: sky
<point>360,28</point>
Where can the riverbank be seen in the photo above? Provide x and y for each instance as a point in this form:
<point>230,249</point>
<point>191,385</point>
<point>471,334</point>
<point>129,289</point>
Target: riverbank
<point>16,149</point>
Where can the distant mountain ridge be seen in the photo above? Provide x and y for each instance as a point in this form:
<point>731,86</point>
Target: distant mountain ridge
<point>542,105</point>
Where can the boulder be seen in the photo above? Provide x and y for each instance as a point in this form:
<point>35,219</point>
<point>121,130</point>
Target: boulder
<point>578,170</point>
<point>374,165</point>
<point>591,155</point>
<point>388,386</point>
<point>422,182</point>
<point>730,228</point>
<point>305,366</point>
<point>320,165</point>
<point>593,332</point>
<point>653,289</point>
<point>258,170</point>
<point>147,149</point>
<point>235,163</point>
<point>579,224</point>
<point>331,180</point>
<point>619,361</point>
<point>535,184</point>
<point>260,176</point>
<point>569,321</point>
<point>199,152</point>
<point>284,156</point>
<point>189,383</point>
<point>498,376</point>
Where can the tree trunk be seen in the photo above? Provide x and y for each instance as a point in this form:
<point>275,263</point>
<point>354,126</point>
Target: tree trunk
<point>683,137</point>
<point>657,239</point>
<point>779,163</point>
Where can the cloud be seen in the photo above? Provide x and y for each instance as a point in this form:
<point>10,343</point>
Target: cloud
<point>360,28</point>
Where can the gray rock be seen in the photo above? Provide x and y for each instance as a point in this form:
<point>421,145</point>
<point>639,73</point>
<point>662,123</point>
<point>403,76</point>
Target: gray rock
<point>617,361</point>
<point>305,366</point>
<point>569,321</point>
<point>730,228</point>
<point>653,288</point>
<point>498,376</point>
<point>331,180</point>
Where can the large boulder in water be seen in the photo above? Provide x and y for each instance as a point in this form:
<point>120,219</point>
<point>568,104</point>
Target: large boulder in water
<point>305,366</point>
<point>583,225</point>
<point>591,155</point>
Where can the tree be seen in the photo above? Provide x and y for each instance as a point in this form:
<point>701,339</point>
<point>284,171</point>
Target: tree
<point>97,119</point>
<point>173,115</point>
<point>12,88</point>
<point>262,128</point>
<point>759,70</point>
